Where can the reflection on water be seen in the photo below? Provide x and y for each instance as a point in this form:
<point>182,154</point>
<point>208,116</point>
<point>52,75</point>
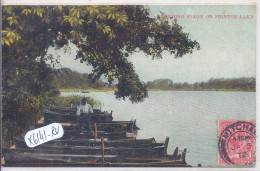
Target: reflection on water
<point>189,118</point>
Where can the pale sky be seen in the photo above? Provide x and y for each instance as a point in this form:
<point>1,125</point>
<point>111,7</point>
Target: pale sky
<point>228,47</point>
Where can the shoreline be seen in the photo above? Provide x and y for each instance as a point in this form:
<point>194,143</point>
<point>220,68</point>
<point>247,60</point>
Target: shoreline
<point>154,89</point>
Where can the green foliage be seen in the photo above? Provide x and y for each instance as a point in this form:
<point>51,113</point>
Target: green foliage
<point>39,11</point>
<point>105,36</point>
<point>9,36</point>
<point>21,110</point>
<point>26,11</point>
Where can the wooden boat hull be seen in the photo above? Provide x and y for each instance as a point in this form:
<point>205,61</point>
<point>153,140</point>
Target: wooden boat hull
<point>54,116</point>
<point>128,126</point>
<point>122,147</point>
<point>110,135</point>
<point>73,110</point>
<point>14,158</point>
<point>107,130</point>
<point>111,126</point>
<point>122,151</point>
<point>91,142</point>
<point>51,116</point>
<point>67,110</point>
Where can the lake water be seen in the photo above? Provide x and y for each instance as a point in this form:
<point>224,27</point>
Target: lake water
<point>189,118</point>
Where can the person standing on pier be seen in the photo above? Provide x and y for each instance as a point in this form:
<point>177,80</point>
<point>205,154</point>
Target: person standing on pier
<point>84,107</point>
<point>83,110</point>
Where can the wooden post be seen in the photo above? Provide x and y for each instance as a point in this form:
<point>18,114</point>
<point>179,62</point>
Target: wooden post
<point>103,150</point>
<point>184,155</point>
<point>175,154</point>
<point>166,145</point>
<point>179,157</point>
<point>95,130</point>
<point>166,142</point>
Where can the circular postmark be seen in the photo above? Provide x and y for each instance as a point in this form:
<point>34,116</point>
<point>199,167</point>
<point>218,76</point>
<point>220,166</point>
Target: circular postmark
<point>237,143</point>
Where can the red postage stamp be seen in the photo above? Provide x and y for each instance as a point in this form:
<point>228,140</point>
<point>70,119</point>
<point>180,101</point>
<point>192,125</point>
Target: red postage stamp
<point>236,142</point>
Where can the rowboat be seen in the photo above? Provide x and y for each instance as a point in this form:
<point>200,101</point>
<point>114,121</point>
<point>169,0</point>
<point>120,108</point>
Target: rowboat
<point>16,158</point>
<point>129,126</point>
<point>20,143</point>
<point>19,158</point>
<point>73,110</point>
<point>122,151</point>
<point>143,147</point>
<point>105,134</point>
<point>108,130</point>
<point>54,116</point>
<point>61,109</point>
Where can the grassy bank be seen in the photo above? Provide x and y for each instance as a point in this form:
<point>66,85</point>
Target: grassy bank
<point>87,90</point>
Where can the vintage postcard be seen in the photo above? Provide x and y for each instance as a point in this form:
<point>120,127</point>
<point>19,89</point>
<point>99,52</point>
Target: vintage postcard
<point>119,85</point>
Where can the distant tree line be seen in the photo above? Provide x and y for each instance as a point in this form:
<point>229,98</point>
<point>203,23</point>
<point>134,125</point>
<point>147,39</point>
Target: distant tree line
<point>65,78</point>
<point>235,84</point>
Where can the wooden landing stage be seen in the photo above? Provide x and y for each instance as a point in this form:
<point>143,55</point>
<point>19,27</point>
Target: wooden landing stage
<point>94,140</point>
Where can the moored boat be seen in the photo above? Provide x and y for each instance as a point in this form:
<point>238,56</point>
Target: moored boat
<point>54,116</point>
<point>17,158</point>
<point>61,109</point>
<point>20,143</point>
<point>122,151</point>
